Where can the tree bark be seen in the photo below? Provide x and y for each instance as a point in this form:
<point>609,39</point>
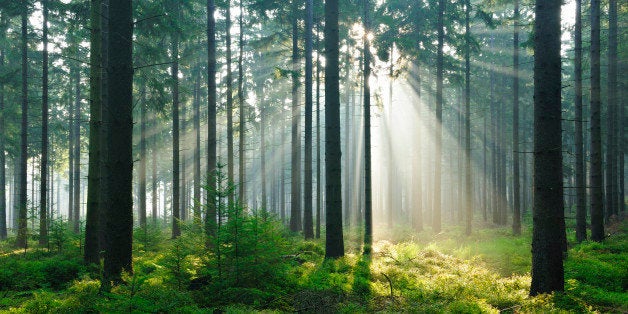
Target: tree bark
<point>210,217</point>
<point>119,225</point>
<point>548,234</point>
<point>368,204</point>
<point>334,244</point>
<point>76,212</point>
<point>467,120</point>
<point>242,126</point>
<point>176,180</point>
<point>3,196</point>
<point>43,190</point>
<point>22,235</point>
<point>596,180</point>
<point>230,173</point>
<point>295,183</point>
<point>436,217</point>
<point>92,226</point>
<point>581,196</point>
<point>612,114</point>
<point>516,216</point>
<point>142,163</point>
<point>308,227</point>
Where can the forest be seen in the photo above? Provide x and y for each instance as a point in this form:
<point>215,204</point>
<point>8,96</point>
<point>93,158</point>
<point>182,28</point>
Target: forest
<point>313,156</point>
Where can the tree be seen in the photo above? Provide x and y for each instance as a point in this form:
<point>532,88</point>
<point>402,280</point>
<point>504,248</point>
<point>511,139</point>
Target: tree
<point>548,234</point>
<point>368,203</point>
<point>174,72</point>
<point>596,180</point>
<point>334,243</point>
<point>436,217</point>
<point>612,203</point>
<point>3,199</point>
<point>229,100</point>
<point>516,216</point>
<point>22,241</point>
<point>467,118</point>
<point>92,226</point>
<point>210,217</point>
<point>581,197</point>
<point>119,224</point>
<point>295,182</point>
<point>142,161</point>
<point>241,103</point>
<point>308,227</point>
<point>43,190</point>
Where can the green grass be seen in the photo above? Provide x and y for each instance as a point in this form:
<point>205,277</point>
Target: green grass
<point>487,272</point>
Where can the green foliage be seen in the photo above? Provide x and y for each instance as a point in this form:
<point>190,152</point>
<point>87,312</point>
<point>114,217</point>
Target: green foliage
<point>35,272</point>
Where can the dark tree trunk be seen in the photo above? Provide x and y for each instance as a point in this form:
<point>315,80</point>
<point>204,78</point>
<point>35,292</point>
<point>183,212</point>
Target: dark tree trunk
<point>22,236</point>
<point>92,226</point>
<point>368,204</point>
<point>176,180</point>
<point>596,180</point>
<point>154,179</point>
<point>334,243</point>
<point>230,174</point>
<point>142,161</point>
<point>242,126</point>
<point>70,151</point>
<point>43,190</point>
<point>76,212</point>
<point>210,217</point>
<point>308,227</point>
<point>516,216</point>
<point>438,132</point>
<point>282,170</point>
<point>612,114</point>
<point>3,177</point>
<point>119,225</point>
<point>197,146</point>
<point>318,138</point>
<point>581,196</point>
<point>105,129</point>
<point>548,235</point>
<point>467,121</point>
<point>295,183</point>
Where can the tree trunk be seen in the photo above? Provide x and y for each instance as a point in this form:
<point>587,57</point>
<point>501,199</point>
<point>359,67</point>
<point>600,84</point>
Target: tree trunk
<point>22,235</point>
<point>295,183</point>
<point>334,244</point>
<point>142,163</point>
<point>176,192</point>
<point>119,226</point>
<point>92,226</point>
<point>612,114</point>
<point>581,196</point>
<point>230,174</point>
<point>210,217</point>
<point>467,120</point>
<point>3,196</point>
<point>76,212</point>
<point>596,180</point>
<point>368,204</point>
<point>516,216</point>
<point>70,151</point>
<point>548,235</point>
<point>308,227</point>
<point>197,147</point>
<point>318,137</point>
<point>242,128</point>
<point>436,218</point>
<point>43,196</point>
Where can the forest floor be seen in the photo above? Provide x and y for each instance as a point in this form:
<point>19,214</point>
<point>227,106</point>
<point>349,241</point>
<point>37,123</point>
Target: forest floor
<point>487,272</point>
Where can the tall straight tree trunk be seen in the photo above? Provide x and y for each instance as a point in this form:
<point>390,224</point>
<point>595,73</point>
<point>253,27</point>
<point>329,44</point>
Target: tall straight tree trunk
<point>22,235</point>
<point>92,226</point>
<point>282,164</point>
<point>183,158</point>
<point>43,196</point>
<point>516,216</point>
<point>467,121</point>
<point>197,146</point>
<point>334,243</point>
<point>581,196</point>
<point>176,181</point>
<point>596,180</point>
<point>308,227</point>
<point>390,202</point>
<point>295,183</point>
<point>612,114</point>
<point>548,234</point>
<point>119,225</point>
<point>368,204</point>
<point>485,183</point>
<point>70,152</point>
<point>142,163</point>
<point>105,129</point>
<point>210,217</point>
<point>3,177</point>
<point>318,137</point>
<point>436,217</point>
<point>230,173</point>
<point>154,179</point>
<point>77,153</point>
<point>242,128</point>
<point>262,126</point>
